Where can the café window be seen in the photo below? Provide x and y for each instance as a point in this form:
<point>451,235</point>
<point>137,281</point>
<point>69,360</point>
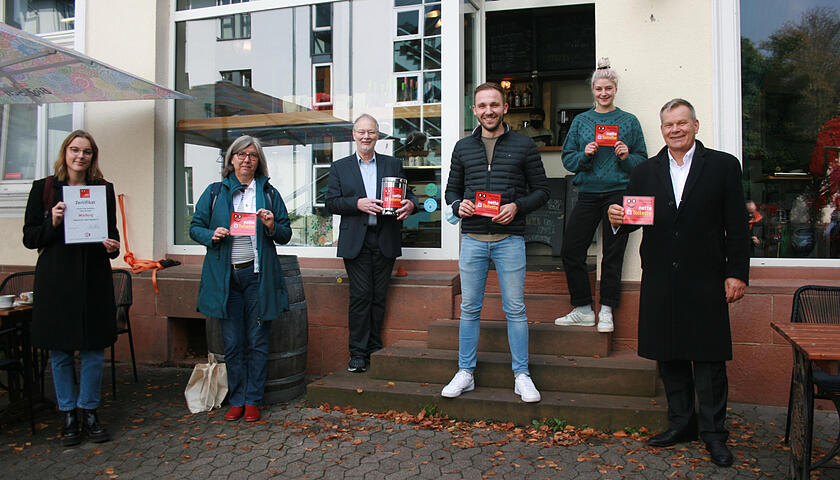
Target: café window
<point>235,27</point>
<point>30,136</point>
<point>791,127</point>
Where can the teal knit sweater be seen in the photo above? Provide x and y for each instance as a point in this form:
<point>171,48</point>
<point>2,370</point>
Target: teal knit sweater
<point>603,172</point>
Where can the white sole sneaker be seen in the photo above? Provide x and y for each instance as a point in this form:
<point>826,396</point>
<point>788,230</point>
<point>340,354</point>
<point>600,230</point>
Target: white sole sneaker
<point>576,319</point>
<point>458,385</point>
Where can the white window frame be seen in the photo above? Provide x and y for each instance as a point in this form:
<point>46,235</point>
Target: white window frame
<point>14,193</point>
<point>418,9</point>
<point>418,100</point>
<point>316,28</point>
<point>315,66</point>
<point>451,124</point>
<point>726,101</point>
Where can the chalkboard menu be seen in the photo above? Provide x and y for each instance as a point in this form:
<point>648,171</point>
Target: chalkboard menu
<point>509,37</point>
<point>566,39</point>
<point>546,225</point>
<point>553,39</point>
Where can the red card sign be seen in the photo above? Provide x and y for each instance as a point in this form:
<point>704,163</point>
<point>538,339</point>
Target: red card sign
<point>606,135</point>
<point>487,204</point>
<point>84,193</point>
<point>243,223</point>
<point>638,210</point>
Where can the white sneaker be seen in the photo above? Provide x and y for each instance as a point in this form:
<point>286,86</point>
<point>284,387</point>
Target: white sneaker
<point>461,382</point>
<point>576,318</point>
<point>605,322</point>
<point>524,387</point>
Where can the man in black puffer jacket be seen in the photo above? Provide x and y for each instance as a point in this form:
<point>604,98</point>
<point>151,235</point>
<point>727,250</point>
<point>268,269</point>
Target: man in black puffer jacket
<point>496,178</point>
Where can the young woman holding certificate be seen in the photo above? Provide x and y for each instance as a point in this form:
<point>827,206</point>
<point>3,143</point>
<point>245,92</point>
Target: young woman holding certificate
<point>602,147</point>
<point>239,220</point>
<point>73,308</point>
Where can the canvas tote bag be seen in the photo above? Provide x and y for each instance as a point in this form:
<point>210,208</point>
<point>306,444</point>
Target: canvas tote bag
<point>207,386</point>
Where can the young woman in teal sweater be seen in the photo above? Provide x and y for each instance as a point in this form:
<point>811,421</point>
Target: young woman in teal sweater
<point>602,148</point>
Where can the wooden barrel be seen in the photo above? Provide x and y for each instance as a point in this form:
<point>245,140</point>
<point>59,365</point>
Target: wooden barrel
<point>287,341</point>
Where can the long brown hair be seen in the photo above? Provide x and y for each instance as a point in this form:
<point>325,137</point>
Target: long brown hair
<point>93,174</point>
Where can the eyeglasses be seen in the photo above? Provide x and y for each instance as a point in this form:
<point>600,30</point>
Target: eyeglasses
<point>243,155</point>
<point>369,133</point>
<point>77,150</point>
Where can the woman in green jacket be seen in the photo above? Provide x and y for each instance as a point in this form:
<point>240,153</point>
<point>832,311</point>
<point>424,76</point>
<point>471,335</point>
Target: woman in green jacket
<point>239,220</point>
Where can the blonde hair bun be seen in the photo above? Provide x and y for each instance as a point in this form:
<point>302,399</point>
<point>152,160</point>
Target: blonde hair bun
<point>603,71</point>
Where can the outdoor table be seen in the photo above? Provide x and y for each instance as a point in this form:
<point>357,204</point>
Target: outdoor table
<point>812,342</point>
<point>22,316</point>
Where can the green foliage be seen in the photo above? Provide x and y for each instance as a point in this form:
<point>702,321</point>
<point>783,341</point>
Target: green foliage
<point>554,424</point>
<point>431,409</point>
<point>790,88</point>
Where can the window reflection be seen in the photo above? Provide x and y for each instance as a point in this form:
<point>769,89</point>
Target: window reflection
<point>791,126</point>
<point>259,87</point>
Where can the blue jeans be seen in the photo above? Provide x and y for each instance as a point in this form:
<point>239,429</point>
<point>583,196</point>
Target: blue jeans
<point>90,378</point>
<point>246,340</point>
<point>508,256</point>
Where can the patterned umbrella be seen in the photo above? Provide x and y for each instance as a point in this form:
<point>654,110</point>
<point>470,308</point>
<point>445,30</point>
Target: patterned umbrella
<point>33,70</point>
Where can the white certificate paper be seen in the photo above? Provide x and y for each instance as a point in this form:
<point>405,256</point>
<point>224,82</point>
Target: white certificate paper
<point>86,215</point>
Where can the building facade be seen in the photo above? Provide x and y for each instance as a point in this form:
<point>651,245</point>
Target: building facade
<point>296,73</point>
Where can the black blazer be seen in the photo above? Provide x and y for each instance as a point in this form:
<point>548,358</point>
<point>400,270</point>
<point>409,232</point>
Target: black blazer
<point>346,187</point>
<point>688,253</point>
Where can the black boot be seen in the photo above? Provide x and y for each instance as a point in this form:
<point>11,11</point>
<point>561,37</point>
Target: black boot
<point>70,429</point>
<point>90,425</point>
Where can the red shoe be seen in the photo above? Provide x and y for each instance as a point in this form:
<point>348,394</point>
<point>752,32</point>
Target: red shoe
<point>233,414</point>
<point>252,413</point>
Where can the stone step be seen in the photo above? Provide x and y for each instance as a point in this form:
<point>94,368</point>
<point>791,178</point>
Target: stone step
<point>623,373</point>
<point>485,403</point>
<point>543,338</point>
<point>540,308</point>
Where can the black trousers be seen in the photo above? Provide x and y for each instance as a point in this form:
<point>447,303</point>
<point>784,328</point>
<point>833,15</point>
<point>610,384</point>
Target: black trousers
<point>590,209</point>
<point>708,380</point>
<point>369,274</point>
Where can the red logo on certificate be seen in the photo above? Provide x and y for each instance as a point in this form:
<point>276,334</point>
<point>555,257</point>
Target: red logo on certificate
<point>638,210</point>
<point>487,204</point>
<point>392,197</point>
<point>84,193</point>
<point>606,135</point>
<point>243,223</point>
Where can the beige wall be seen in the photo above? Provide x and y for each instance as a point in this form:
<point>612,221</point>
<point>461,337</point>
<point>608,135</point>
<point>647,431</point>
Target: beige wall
<point>125,131</point>
<point>661,50</point>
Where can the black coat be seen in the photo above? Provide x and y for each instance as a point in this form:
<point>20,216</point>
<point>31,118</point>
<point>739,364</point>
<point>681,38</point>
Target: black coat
<point>688,253</point>
<point>346,187</point>
<point>516,173</point>
<point>74,293</point>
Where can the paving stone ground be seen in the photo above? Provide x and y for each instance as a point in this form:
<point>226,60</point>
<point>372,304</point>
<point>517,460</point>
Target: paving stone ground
<point>154,436</point>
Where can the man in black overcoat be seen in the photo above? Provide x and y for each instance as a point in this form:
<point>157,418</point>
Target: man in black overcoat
<point>368,241</point>
<point>695,261</point>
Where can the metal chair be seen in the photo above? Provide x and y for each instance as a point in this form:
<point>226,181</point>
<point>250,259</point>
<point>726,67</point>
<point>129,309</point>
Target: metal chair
<point>17,283</point>
<point>14,358</point>
<point>123,299</point>
<point>818,304</point>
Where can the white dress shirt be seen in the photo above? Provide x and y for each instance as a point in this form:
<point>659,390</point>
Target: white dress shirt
<point>679,173</point>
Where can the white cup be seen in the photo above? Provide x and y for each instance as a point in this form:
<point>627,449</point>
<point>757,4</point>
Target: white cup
<point>7,301</point>
<point>27,297</point>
